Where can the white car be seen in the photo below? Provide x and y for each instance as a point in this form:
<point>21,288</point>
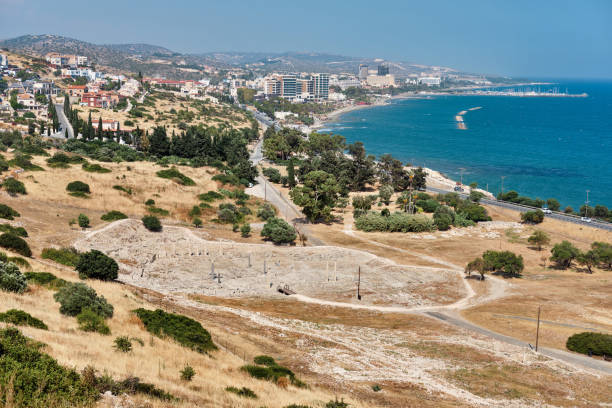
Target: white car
<point>585,219</point>
<point>546,210</point>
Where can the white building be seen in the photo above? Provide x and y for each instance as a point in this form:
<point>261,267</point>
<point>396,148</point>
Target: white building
<point>3,60</point>
<point>337,96</point>
<point>381,81</point>
<point>430,81</point>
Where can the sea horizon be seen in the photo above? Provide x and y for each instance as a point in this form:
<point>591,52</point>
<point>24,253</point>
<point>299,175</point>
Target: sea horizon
<point>544,147</point>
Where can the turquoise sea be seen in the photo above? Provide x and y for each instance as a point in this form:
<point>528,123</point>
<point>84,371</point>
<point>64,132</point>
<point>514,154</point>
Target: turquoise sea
<point>543,146</point>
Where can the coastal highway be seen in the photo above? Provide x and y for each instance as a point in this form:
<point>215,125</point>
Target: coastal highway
<point>522,208</point>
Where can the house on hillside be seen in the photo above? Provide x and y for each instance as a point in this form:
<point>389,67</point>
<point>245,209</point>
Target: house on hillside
<point>107,124</point>
<point>27,100</point>
<point>101,99</point>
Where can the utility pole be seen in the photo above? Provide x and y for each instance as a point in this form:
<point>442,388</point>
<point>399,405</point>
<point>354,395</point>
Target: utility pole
<point>359,283</point>
<point>538,329</point>
<point>587,204</point>
<point>461,169</point>
<point>502,184</point>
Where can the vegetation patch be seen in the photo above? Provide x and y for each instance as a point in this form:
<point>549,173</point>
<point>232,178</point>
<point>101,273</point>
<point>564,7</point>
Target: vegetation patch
<point>158,211</point>
<point>128,190</point>
<point>7,212</point>
<point>46,279</point>
<point>14,243</point>
<point>14,186</point>
<point>64,256</point>
<point>591,343</point>
<point>34,379</point>
<point>266,368</point>
<point>210,196</point>
<point>95,168</point>
<point>19,231</point>
<point>113,215</point>
<point>78,189</point>
<point>21,318</point>
<point>61,160</point>
<point>278,231</point>
<point>23,161</point>
<point>173,174</point>
<point>242,392</point>
<point>97,265</point>
<point>396,222</point>
<point>75,297</point>
<point>184,330</point>
<point>151,223</point>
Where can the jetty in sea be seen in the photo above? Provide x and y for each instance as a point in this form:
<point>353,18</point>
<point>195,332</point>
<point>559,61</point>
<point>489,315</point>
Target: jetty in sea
<point>525,92</point>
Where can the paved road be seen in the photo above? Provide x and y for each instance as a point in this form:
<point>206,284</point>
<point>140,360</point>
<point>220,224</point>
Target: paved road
<point>64,121</point>
<point>575,359</point>
<point>522,208</point>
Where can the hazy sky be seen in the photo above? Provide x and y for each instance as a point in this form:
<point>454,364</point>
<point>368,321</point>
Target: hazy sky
<point>537,38</point>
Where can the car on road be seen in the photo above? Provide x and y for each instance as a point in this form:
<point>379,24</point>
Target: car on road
<point>546,210</point>
<point>458,188</point>
<point>585,219</point>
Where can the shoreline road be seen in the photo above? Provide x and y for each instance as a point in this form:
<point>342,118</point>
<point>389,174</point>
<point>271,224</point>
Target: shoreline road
<point>575,359</point>
<point>266,190</point>
<point>66,126</point>
<point>522,208</point>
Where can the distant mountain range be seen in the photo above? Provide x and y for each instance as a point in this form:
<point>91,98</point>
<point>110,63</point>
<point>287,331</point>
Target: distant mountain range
<point>154,60</point>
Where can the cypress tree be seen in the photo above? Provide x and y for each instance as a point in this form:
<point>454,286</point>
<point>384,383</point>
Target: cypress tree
<point>67,105</point>
<point>100,128</point>
<point>290,174</point>
<point>88,133</point>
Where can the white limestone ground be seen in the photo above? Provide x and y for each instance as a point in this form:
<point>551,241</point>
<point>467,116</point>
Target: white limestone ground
<point>176,260</point>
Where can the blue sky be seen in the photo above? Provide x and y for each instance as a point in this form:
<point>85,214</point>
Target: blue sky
<point>538,38</point>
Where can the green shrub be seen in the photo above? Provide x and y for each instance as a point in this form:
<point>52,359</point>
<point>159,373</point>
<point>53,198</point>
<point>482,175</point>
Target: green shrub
<point>74,297</point>
<point>210,196</point>
<point>195,211</point>
<point>598,344</point>
<point>245,230</point>
<point>90,321</point>
<point>151,223</point>
<point>19,231</point>
<point>336,404</point>
<point>173,174</point>
<point>473,211</point>
<point>187,373</point>
<point>396,222</point>
<point>272,174</point>
<point>504,262</point>
<point>23,161</point>
<point>78,189</point>
<point>443,222</point>
<point>34,379</point>
<point>97,265</point>
<point>121,188</point>
<point>21,318</point>
<point>95,168</point>
<point>376,388</point>
<point>83,221</point>
<point>123,344</point>
<point>15,243</point>
<point>184,330</point>
<point>264,360</point>
<point>278,231</point>
<point>532,217</point>
<point>7,212</point>
<point>150,201</point>
<point>62,160</point>
<point>113,215</point>
<point>227,179</point>
<point>242,392</point>
<point>197,222</point>
<point>14,186</point>
<point>429,205</point>
<point>269,370</point>
<point>19,261</point>
<point>158,211</point>
<point>64,256</point>
<point>461,221</point>
<point>46,279</point>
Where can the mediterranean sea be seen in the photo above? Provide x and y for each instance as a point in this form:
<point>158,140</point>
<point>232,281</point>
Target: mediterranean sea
<point>546,147</point>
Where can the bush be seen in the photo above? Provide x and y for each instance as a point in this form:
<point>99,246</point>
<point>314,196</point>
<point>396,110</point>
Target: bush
<point>443,222</point>
<point>473,211</point>
<point>96,265</point>
<point>176,175</point>
<point>151,223</point>
<point>184,330</point>
<point>14,186</point>
<point>121,188</point>
<point>266,211</point>
<point>83,221</point>
<point>15,243</point>
<point>429,205</point>
<point>90,321</point>
<point>95,168</point>
<point>505,262</point>
<point>195,211</point>
<point>158,211</point>
<point>24,162</point>
<point>36,379</point>
<point>242,392</point>
<point>278,231</point>
<point>396,222</point>
<point>336,404</point>
<point>462,221</point>
<point>65,256</point>
<point>123,344</point>
<point>187,373</point>
<point>113,215</point>
<point>598,344</point>
<point>45,279</point>
<point>210,196</point>
<point>197,222</point>
<point>7,212</point>
<point>21,318</point>
<point>62,160</point>
<point>150,202</point>
<point>245,230</point>
<point>272,174</point>
<point>19,231</point>
<point>78,189</point>
<point>532,217</point>
<point>227,179</point>
<point>269,370</point>
<point>564,253</point>
<point>74,297</point>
